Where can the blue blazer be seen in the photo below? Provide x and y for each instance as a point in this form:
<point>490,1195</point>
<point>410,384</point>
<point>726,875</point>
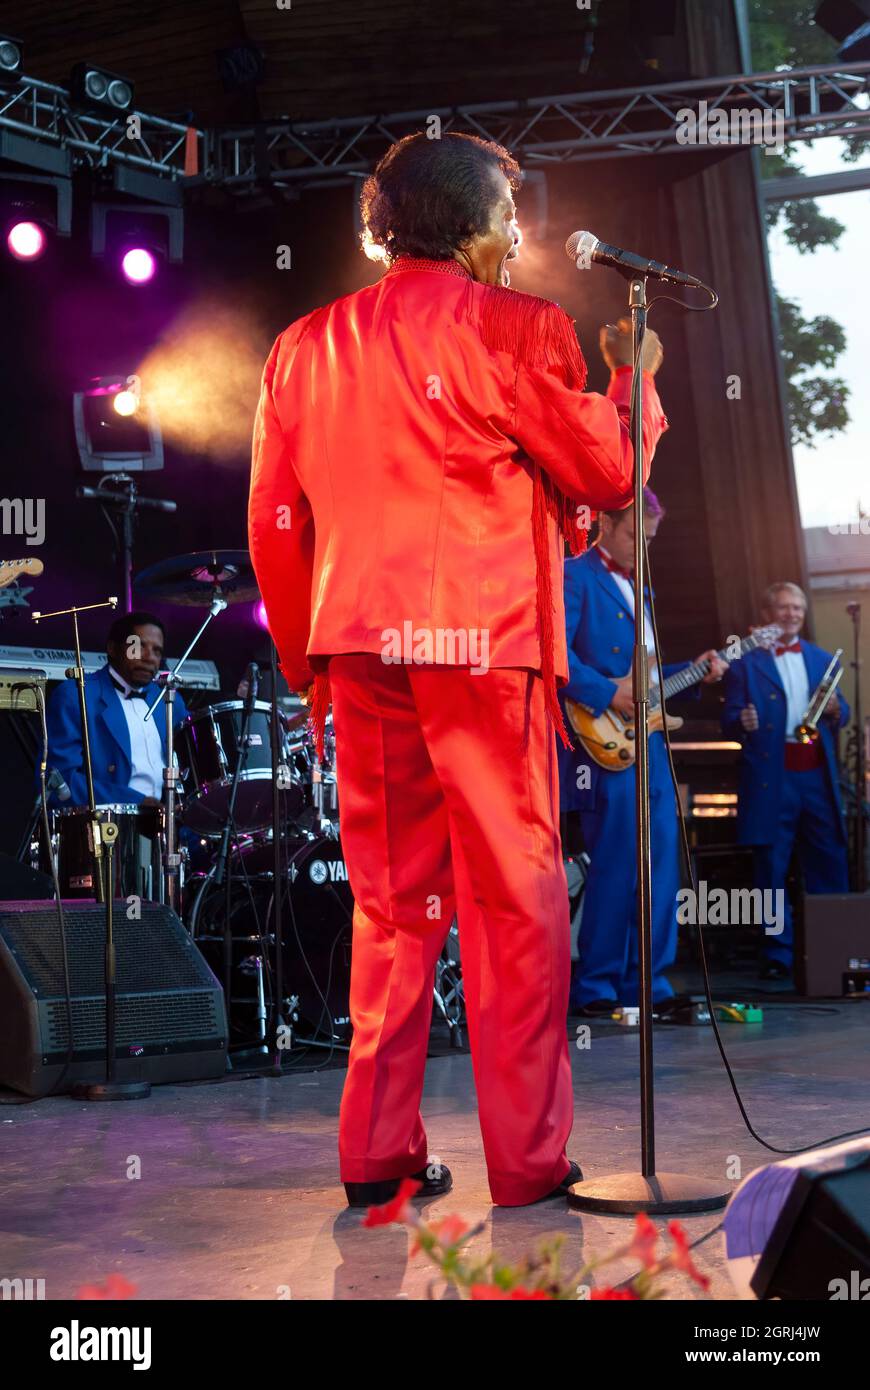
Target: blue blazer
<point>600,635</point>
<point>754,680</point>
<point>109,736</point>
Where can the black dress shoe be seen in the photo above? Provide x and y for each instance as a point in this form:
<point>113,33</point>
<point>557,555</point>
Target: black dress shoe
<point>574,1174</point>
<point>597,1008</point>
<point>376,1194</point>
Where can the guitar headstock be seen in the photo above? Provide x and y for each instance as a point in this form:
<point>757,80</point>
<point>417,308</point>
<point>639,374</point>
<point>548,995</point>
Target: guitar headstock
<point>766,636</point>
<point>10,570</point>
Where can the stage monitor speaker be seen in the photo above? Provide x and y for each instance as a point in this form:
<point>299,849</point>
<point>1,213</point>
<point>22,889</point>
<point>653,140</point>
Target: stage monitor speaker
<point>170,1016</point>
<point>832,940</point>
<point>819,1248</point>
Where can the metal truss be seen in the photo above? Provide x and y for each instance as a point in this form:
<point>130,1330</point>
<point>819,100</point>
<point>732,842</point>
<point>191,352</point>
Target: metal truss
<point>802,103</point>
<point>40,126</point>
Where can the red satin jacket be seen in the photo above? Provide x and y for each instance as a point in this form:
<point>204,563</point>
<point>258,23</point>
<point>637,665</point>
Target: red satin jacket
<point>419,449</point>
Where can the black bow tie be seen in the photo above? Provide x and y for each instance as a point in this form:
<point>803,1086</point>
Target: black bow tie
<point>130,694</point>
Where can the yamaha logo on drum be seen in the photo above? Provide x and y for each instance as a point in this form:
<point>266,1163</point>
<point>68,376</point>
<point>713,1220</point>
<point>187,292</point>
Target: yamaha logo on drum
<point>326,871</point>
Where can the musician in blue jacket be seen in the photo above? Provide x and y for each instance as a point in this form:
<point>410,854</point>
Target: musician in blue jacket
<point>599,613</point>
<point>128,752</point>
<point>789,791</point>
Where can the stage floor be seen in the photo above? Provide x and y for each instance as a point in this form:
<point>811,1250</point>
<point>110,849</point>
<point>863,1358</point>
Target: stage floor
<point>238,1196</point>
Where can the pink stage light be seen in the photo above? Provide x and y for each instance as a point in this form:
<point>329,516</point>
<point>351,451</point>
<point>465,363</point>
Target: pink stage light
<point>26,241</point>
<point>139,266</point>
<point>258,613</point>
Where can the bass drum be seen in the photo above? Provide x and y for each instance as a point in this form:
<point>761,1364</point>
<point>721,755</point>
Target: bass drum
<point>316,921</point>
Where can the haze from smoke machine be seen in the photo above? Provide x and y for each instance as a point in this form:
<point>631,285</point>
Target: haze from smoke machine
<point>203,378</point>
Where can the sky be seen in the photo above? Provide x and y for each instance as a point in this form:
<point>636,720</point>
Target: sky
<point>834,476</point>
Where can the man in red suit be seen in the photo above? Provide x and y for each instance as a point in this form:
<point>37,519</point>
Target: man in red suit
<point>421,449</point>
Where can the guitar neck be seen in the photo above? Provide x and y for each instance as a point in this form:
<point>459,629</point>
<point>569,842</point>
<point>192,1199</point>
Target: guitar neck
<point>694,674</point>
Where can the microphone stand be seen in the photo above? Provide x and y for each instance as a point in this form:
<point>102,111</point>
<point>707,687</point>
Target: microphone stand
<point>101,841</point>
<point>77,673</point>
<point>170,772</point>
<point>646,1191</point>
<point>123,497</point>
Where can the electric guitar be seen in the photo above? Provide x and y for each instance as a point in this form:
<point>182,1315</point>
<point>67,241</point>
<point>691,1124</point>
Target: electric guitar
<point>608,738</point>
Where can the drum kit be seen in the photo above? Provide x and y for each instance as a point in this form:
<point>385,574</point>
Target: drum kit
<point>229,815</point>
<point>256,807</point>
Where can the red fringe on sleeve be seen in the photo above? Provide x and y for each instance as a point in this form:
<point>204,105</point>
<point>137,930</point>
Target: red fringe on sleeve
<point>539,334</point>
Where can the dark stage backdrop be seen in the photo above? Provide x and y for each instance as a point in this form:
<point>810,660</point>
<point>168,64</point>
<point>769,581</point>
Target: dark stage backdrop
<point>723,470</point>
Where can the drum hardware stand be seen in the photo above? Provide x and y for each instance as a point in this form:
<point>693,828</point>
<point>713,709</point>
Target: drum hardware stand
<point>222,870</point>
<point>170,771</point>
<point>254,966</point>
<point>77,674</point>
<point>125,502</point>
<point>646,1191</point>
<point>278,1027</point>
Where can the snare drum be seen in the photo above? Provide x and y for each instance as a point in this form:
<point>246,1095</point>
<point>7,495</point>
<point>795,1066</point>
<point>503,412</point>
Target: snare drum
<point>136,859</point>
<point>209,745</point>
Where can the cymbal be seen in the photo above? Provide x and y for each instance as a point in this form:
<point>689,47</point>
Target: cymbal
<point>194,579</point>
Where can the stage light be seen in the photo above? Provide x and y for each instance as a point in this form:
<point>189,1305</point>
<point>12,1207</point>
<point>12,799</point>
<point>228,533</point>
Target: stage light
<point>139,265</point>
<point>126,402</point>
<point>258,613</point>
<point>10,56</point>
<point>93,86</point>
<point>111,437</point>
<point>26,241</point>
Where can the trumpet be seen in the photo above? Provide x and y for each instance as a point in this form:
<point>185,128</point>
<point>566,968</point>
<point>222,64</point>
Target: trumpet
<point>807,730</point>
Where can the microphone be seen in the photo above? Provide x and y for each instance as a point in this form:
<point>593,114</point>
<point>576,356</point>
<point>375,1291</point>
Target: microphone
<point>252,676</point>
<point>96,494</point>
<point>584,248</point>
<point>55,783</point>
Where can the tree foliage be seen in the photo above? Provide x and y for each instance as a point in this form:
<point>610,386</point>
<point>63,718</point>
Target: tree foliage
<point>783,34</point>
<point>817,404</point>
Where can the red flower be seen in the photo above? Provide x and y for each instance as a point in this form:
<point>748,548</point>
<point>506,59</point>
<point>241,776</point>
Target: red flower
<point>448,1232</point>
<point>395,1210</point>
<point>115,1287</point>
<point>613,1295</point>
<point>492,1292</point>
<point>680,1258</point>
<point>645,1239</point>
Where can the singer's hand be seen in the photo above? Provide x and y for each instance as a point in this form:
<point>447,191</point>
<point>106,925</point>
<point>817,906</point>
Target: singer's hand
<point>614,341</point>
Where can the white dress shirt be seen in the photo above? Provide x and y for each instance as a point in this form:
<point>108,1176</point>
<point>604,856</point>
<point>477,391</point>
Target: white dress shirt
<point>146,748</point>
<point>792,671</point>
<point>626,588</point>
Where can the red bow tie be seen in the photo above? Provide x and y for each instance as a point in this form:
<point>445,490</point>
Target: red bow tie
<point>614,568</point>
<point>792,647</point>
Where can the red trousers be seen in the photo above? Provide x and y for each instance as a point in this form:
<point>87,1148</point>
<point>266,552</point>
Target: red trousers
<point>448,795</point>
